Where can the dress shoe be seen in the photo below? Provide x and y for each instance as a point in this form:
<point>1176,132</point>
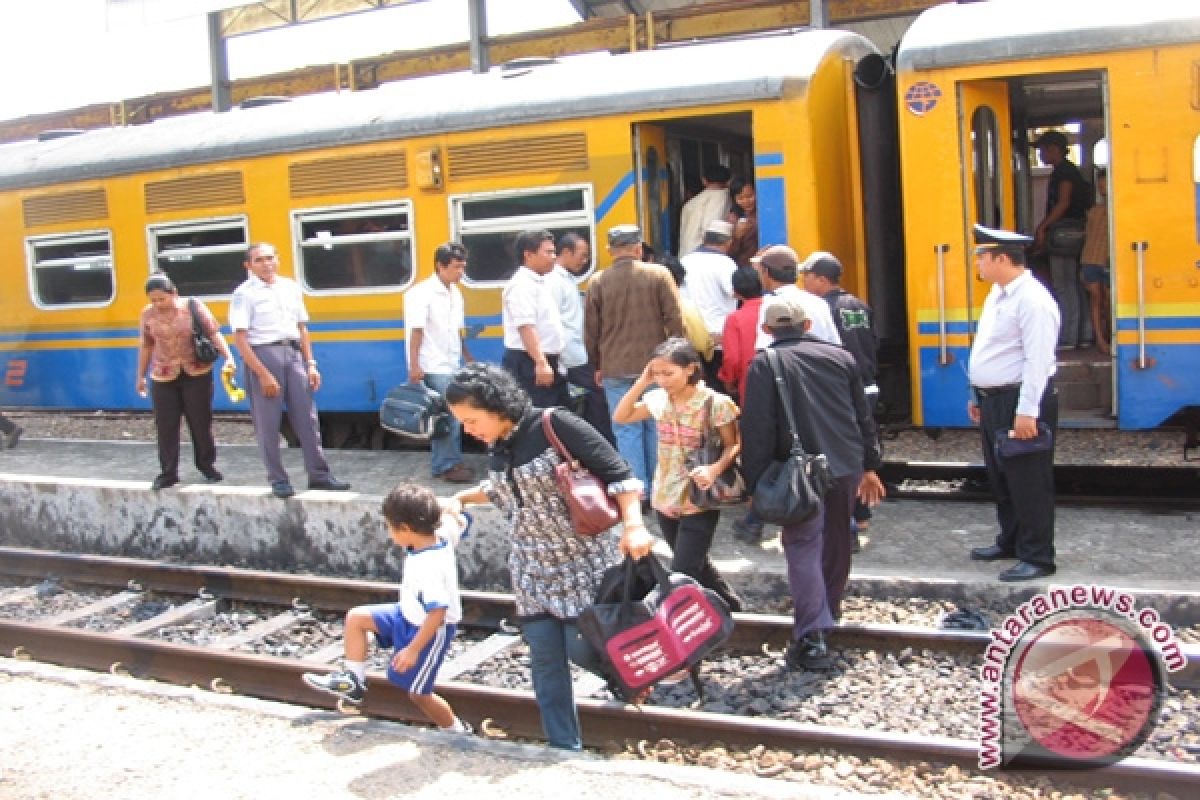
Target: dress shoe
<point>1024,571</point>
<point>809,652</point>
<point>211,475</point>
<point>993,552</point>
<point>282,489</point>
<point>14,436</point>
<point>164,482</point>
<point>459,473</point>
<point>330,484</point>
<point>750,532</point>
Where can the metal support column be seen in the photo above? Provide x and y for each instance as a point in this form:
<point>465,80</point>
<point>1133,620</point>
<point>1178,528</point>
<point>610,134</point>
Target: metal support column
<point>218,61</point>
<point>818,11</point>
<point>477,18</point>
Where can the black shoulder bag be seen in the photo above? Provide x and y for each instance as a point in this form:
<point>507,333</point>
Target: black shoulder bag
<point>206,351</point>
<point>791,491</point>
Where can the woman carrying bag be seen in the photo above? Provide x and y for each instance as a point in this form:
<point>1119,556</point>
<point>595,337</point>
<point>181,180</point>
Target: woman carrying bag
<point>181,384</point>
<point>686,412</point>
<point>555,570</point>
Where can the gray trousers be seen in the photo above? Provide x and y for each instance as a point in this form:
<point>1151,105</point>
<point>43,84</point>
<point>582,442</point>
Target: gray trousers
<point>1072,302</point>
<point>286,364</point>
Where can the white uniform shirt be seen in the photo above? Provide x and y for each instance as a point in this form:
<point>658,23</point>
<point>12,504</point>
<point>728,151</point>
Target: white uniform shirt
<point>709,284</point>
<point>570,312</point>
<point>437,309</point>
<point>527,300</point>
<point>1015,341</point>
<point>267,312</point>
<point>815,308</point>
<point>430,577</point>
<point>702,209</point>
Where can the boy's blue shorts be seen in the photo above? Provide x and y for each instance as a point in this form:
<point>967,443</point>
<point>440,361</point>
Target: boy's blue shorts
<point>394,632</point>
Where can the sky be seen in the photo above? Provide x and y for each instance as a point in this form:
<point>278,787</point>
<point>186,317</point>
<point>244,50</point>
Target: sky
<point>61,54</point>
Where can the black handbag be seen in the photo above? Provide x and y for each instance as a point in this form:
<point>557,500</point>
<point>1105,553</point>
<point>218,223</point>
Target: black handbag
<point>728,488</point>
<point>1007,446</point>
<point>648,624</point>
<point>791,491</point>
<point>415,411</point>
<point>206,351</point>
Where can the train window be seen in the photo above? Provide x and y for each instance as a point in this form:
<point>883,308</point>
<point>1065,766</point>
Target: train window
<point>355,248</point>
<point>205,259</point>
<point>488,225</point>
<point>989,191</point>
<point>75,269</point>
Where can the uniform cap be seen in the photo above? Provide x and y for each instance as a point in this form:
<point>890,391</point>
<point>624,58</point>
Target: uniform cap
<point>720,228</point>
<point>622,235</point>
<point>988,239</point>
<point>824,264</point>
<point>778,257</point>
<point>783,312</point>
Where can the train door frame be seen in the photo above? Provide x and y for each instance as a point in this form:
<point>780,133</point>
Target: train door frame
<point>651,175</point>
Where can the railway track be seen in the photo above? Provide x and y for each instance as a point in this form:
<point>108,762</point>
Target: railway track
<point>219,665</point>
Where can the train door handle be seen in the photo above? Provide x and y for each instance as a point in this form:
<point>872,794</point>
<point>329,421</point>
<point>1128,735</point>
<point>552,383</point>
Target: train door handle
<point>940,251</point>
<point>1139,249</point>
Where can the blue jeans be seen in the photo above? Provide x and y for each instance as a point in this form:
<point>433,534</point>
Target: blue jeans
<point>637,443</point>
<point>551,642</point>
<point>446,452</point>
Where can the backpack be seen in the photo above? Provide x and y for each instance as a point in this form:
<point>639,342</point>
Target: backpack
<point>415,411</point>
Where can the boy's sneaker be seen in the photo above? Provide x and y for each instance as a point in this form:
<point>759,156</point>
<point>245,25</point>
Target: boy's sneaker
<point>343,683</point>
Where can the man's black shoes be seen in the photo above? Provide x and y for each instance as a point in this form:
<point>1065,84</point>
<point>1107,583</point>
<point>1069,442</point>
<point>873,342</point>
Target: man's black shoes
<point>809,652</point>
<point>1024,571</point>
<point>990,553</point>
<point>282,489</point>
<point>329,485</point>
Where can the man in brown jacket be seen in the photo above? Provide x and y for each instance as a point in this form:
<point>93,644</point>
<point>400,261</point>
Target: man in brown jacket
<point>632,307</point>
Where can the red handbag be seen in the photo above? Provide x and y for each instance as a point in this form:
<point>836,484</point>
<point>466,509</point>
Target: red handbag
<point>592,508</point>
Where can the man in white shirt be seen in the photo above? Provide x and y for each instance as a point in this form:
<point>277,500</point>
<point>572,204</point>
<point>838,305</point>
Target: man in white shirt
<point>712,203</point>
<point>533,332</point>
<point>574,258</point>
<point>270,329</point>
<point>778,266</point>
<point>708,283</point>
<point>434,319</point>
<point>1010,369</point>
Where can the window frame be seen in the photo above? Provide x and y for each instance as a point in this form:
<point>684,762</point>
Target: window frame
<point>154,229</point>
<point>460,229</point>
<point>32,265</point>
<point>352,211</point>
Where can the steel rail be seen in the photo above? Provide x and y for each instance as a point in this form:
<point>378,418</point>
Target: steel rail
<point>515,712</point>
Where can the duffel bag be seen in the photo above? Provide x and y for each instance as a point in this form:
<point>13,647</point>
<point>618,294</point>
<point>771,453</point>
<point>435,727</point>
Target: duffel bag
<point>415,411</point>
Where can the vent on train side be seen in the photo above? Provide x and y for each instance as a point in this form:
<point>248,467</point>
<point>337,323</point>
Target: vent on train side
<point>349,174</point>
<point>48,209</point>
<point>564,151</point>
<point>195,191</point>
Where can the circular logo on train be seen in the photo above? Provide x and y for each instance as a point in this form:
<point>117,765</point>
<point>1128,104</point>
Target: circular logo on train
<point>1086,688</point>
<point>922,97</point>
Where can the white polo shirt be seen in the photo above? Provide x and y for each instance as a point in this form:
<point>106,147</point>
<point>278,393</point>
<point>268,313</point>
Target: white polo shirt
<point>709,284</point>
<point>815,308</point>
<point>527,300</point>
<point>268,312</point>
<point>436,309</point>
<point>570,311</point>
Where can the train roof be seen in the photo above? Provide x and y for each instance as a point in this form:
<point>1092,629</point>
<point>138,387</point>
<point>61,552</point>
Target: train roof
<point>978,33</point>
<point>590,85</point>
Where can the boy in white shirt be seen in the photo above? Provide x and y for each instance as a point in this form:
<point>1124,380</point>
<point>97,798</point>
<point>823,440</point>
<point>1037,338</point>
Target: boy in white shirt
<point>420,627</point>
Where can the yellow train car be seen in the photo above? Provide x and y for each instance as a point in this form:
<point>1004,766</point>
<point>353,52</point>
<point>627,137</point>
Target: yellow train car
<point>976,83</point>
<point>356,190</point>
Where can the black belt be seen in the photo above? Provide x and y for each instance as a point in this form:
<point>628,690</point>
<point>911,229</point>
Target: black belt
<point>992,391</point>
<point>292,343</point>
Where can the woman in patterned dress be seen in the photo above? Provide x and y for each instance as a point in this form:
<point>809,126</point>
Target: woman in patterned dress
<point>683,409</point>
<point>555,571</point>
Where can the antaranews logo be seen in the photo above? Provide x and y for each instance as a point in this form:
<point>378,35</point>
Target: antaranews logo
<point>1074,678</point>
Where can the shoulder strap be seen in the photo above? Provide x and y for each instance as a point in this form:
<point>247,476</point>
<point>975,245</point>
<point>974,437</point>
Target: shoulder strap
<point>548,428</point>
<point>785,397</point>
<point>196,329</point>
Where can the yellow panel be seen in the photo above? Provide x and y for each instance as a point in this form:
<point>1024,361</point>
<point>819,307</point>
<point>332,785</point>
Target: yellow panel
<point>564,151</point>
<point>349,174</point>
<point>195,191</point>
<point>49,209</point>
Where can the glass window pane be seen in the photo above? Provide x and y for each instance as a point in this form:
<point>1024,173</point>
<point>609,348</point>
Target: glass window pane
<point>493,256</point>
<point>72,269</point>
<point>522,205</point>
<point>989,208</point>
<point>355,248</point>
<point>202,259</point>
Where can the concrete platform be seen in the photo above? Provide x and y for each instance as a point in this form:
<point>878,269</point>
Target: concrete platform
<point>94,497</point>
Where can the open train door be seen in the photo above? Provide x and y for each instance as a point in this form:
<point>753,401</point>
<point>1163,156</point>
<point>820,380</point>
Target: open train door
<point>985,123</point>
<point>653,185</point>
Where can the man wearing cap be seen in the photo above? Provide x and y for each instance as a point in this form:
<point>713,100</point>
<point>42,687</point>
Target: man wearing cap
<point>832,418</point>
<point>708,283</point>
<point>631,308</point>
<point>1010,368</point>
<point>778,267</point>
<point>533,332</point>
<point>821,274</point>
<point>1068,198</point>
<point>712,203</point>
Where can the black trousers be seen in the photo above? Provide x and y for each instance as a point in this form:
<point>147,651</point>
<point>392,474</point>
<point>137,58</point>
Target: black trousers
<point>1023,486</point>
<point>521,366</point>
<point>690,538</point>
<point>595,404</point>
<point>189,397</point>
<point>7,426</point>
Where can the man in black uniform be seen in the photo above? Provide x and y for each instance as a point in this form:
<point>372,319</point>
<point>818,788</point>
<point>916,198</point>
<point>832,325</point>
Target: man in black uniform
<point>1011,364</point>
<point>821,274</point>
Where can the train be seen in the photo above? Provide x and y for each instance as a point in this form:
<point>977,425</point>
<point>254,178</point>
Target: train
<point>884,160</point>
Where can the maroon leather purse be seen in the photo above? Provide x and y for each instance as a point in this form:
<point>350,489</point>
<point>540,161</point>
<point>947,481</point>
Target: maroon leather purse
<point>592,508</point>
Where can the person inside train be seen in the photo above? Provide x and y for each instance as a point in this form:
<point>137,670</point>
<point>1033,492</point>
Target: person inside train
<point>1093,264</point>
<point>744,218</point>
<point>711,203</point>
<point>419,628</point>
<point>555,572</point>
<point>181,386</point>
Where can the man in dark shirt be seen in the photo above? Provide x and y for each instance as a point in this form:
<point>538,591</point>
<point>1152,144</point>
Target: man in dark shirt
<point>833,418</point>
<point>1068,198</point>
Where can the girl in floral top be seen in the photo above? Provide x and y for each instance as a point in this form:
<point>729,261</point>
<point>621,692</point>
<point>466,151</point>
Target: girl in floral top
<point>182,386</point>
<point>684,409</point>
